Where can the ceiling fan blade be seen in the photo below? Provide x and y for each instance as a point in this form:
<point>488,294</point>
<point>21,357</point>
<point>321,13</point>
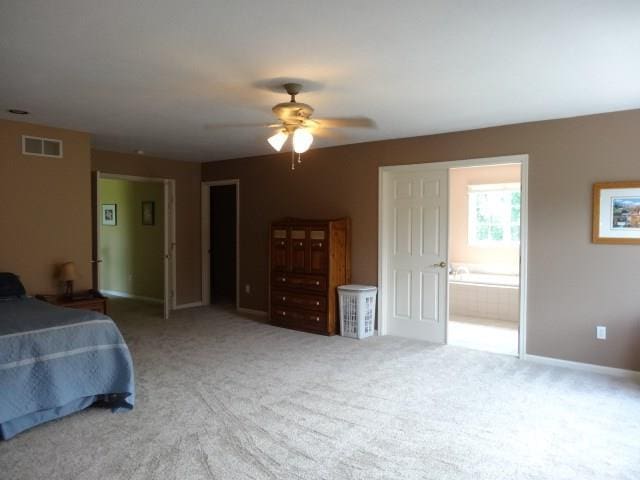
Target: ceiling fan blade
<point>310,123</point>
<point>335,135</point>
<point>347,122</point>
<point>215,126</point>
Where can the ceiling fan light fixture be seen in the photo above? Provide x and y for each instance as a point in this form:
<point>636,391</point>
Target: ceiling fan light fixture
<point>277,140</point>
<point>302,140</point>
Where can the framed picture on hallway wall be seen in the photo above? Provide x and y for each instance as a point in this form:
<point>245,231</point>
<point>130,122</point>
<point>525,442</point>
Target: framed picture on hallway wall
<point>109,214</point>
<point>148,213</point>
<point>616,212</point>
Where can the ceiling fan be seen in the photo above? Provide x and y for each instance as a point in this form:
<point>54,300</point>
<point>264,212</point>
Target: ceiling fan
<point>295,121</point>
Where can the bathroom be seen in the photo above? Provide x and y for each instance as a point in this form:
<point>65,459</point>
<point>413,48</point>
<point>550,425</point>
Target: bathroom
<point>484,258</point>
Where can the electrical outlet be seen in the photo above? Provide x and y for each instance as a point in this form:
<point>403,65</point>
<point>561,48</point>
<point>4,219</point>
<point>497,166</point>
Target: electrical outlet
<point>247,289</point>
<point>601,332</point>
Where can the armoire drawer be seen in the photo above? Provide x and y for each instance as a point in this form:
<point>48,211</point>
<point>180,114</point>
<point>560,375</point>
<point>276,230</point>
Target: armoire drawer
<point>307,302</point>
<point>306,282</point>
<point>299,319</point>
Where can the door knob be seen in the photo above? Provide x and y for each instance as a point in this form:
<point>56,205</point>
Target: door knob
<point>441,264</point>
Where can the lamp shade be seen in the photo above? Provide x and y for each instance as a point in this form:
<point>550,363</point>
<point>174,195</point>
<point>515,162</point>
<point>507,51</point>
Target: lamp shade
<point>277,140</point>
<point>68,272</point>
<point>302,140</point>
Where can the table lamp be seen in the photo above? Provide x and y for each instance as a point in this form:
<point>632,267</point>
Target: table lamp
<point>68,275</point>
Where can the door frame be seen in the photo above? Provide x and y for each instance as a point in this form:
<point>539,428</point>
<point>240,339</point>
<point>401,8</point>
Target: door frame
<point>206,224</point>
<point>383,221</point>
<point>169,233</point>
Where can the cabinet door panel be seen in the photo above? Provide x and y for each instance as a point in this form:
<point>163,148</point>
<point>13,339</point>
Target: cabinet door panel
<point>318,251</point>
<point>299,246</point>
<point>280,249</point>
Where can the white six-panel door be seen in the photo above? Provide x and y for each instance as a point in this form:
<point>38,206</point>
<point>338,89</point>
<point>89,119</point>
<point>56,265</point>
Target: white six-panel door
<point>415,234</point>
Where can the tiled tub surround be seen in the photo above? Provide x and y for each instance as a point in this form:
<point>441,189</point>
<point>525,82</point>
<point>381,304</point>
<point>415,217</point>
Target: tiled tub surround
<point>484,300</point>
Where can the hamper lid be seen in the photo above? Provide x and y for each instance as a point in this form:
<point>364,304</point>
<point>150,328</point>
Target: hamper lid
<point>357,288</point>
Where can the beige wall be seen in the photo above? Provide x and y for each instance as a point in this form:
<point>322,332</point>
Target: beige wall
<point>187,177</point>
<point>574,285</point>
<point>45,207</point>
<point>502,259</point>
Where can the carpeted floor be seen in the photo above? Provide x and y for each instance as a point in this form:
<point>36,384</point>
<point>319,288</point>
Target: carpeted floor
<point>224,397</point>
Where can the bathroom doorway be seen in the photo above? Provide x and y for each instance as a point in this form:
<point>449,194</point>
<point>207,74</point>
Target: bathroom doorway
<point>484,257</point>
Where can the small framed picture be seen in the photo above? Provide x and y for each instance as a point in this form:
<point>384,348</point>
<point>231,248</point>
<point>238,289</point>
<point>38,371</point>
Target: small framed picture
<point>109,214</point>
<point>148,213</point>
<point>616,212</point>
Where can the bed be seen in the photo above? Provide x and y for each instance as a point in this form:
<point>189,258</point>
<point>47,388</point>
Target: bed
<point>55,361</point>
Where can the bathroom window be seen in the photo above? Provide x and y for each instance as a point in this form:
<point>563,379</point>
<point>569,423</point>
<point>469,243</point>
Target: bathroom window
<point>494,214</point>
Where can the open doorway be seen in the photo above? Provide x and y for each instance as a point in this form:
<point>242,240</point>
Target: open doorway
<point>484,257</point>
<point>414,261</point>
<point>220,228</point>
<point>133,238</point>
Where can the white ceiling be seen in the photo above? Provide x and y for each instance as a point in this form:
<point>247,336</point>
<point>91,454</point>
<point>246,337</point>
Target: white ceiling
<point>152,74</point>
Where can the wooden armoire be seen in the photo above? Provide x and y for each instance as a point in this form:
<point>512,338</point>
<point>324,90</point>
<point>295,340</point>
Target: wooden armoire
<point>309,259</point>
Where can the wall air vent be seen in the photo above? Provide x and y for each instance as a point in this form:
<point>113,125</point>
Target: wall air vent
<point>42,147</point>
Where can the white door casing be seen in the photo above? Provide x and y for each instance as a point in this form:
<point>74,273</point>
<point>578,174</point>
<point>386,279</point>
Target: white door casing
<point>415,271</point>
<point>385,323</point>
<point>96,259</point>
<point>169,248</point>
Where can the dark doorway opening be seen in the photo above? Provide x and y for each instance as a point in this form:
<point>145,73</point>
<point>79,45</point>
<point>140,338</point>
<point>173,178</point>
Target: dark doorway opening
<point>222,247</point>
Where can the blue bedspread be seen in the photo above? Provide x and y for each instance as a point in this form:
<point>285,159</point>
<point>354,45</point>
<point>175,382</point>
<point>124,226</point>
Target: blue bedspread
<point>55,361</point>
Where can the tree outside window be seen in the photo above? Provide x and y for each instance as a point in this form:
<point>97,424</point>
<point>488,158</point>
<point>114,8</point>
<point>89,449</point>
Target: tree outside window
<point>494,214</point>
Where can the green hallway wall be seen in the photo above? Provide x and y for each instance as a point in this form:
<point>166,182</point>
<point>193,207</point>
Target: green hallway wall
<point>132,252</point>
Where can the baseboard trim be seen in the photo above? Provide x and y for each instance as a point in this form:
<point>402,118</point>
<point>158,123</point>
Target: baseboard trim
<point>251,311</point>
<point>587,367</point>
<point>115,293</point>
<point>188,305</point>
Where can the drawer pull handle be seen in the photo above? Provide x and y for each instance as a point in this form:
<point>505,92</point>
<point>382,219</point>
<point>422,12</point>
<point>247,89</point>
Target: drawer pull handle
<point>282,242</point>
<point>320,245</point>
<point>317,282</point>
<point>283,279</point>
<point>284,314</point>
<point>317,319</point>
<point>284,299</point>
<point>317,304</point>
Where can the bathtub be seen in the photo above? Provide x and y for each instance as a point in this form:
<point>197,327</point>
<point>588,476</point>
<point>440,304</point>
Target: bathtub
<point>484,295</point>
<point>485,279</point>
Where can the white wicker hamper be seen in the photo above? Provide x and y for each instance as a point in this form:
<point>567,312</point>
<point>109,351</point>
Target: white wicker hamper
<point>357,310</point>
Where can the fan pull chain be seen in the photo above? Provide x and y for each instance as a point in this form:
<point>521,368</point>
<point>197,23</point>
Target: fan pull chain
<point>293,160</point>
<point>299,158</point>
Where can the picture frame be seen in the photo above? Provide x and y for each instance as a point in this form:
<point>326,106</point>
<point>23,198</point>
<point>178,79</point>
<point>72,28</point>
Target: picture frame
<point>110,214</point>
<point>616,212</point>
<point>148,213</point>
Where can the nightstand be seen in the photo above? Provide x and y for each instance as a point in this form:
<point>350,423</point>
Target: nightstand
<point>91,300</point>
